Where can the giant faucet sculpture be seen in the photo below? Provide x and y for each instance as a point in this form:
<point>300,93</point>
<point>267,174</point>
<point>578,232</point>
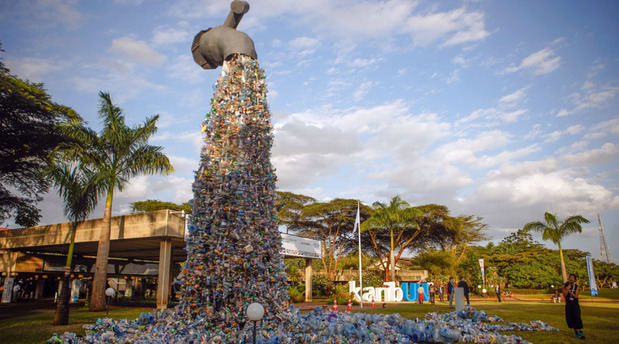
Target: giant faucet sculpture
<point>233,248</point>
<point>212,46</point>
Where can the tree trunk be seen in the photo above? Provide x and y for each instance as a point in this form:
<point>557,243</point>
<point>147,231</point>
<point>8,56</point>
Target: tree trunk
<point>392,259</point>
<point>563,270</point>
<point>97,298</point>
<point>62,307</point>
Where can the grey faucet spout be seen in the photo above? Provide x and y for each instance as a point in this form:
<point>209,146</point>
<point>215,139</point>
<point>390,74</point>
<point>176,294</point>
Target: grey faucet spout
<point>212,46</point>
<point>237,10</point>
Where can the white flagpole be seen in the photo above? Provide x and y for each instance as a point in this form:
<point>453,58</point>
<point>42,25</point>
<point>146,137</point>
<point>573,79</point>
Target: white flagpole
<point>358,227</point>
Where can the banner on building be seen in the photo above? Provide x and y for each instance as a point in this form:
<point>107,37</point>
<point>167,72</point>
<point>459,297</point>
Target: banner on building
<point>592,285</point>
<point>296,246</point>
<point>8,290</point>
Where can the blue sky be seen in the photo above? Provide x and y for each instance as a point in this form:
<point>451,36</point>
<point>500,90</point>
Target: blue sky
<point>498,109</point>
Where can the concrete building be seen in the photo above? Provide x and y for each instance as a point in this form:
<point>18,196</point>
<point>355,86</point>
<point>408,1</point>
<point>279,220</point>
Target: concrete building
<point>143,247</point>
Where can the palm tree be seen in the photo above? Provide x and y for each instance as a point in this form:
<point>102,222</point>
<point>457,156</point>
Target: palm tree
<point>554,231</point>
<point>392,216</point>
<point>80,189</point>
<point>115,155</point>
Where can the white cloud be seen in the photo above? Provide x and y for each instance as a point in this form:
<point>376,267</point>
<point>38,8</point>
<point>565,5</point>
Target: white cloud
<point>468,150</point>
<point>491,117</point>
<point>30,68</point>
<point>304,43</point>
<point>317,144</point>
<point>453,76</point>
<point>539,63</point>
<point>358,20</point>
<point>604,128</point>
<point>45,12</point>
<point>123,86</point>
<point>594,96</point>
<point>557,134</point>
<point>574,129</point>
<point>562,113</point>
<point>460,60</point>
<point>515,96</point>
<point>590,95</point>
<point>553,136</point>
<point>607,153</point>
<point>129,2</point>
<point>170,36</point>
<point>303,46</point>
<point>184,68</point>
<point>194,137</point>
<point>363,89</point>
<point>137,50</point>
<point>453,27</point>
<point>361,63</point>
<point>520,192</point>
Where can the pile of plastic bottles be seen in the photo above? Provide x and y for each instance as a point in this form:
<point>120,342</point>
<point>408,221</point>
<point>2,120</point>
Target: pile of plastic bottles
<point>317,326</point>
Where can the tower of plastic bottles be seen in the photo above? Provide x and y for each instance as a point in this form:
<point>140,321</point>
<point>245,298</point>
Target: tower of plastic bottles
<point>233,247</point>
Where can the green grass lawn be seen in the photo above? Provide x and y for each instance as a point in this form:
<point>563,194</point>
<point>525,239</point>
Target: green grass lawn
<point>36,326</point>
<point>600,320</point>
<point>603,295</point>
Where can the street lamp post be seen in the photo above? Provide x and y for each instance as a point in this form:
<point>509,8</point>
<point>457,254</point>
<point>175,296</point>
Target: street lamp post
<point>109,292</point>
<point>255,311</point>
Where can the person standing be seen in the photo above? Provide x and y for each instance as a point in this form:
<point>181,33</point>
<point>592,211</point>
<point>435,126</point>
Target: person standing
<point>557,296</point>
<point>441,291</point>
<point>432,293</point>
<point>420,292</point>
<point>462,284</point>
<point>497,291</point>
<point>450,291</point>
<point>571,291</point>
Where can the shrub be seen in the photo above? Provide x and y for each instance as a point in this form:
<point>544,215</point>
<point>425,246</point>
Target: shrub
<point>295,294</point>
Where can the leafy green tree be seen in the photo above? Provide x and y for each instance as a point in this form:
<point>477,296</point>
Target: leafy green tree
<point>28,128</point>
<point>153,205</point>
<point>451,234</point>
<point>332,223</point>
<point>555,231</point>
<point>437,262</point>
<point>288,207</point>
<point>463,231</point>
<point>516,242</point>
<point>117,154</point>
<point>80,188</point>
<point>605,273</point>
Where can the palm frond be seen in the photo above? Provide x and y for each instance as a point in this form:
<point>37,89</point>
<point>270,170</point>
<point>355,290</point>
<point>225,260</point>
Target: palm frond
<point>551,220</point>
<point>535,226</point>
<point>145,131</point>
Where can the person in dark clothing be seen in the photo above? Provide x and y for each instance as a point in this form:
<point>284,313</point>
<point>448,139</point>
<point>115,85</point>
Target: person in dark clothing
<point>462,284</point>
<point>497,290</point>
<point>450,291</point>
<point>571,291</point>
